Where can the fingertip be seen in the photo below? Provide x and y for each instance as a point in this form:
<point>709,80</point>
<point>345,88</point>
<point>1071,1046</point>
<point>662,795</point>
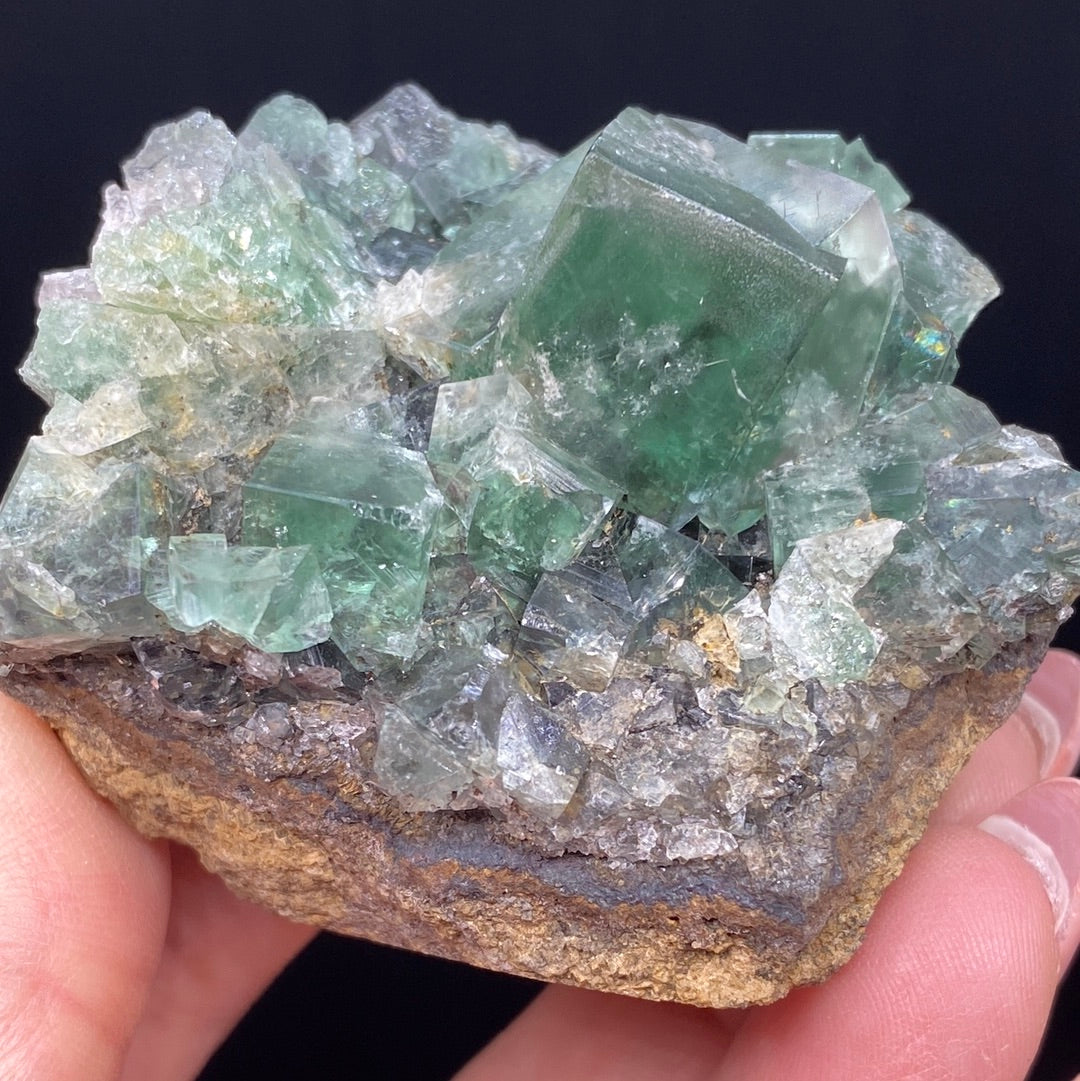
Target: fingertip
<point>954,979</point>
<point>83,901</point>
<point>1052,704</point>
<point>1040,740</point>
<point>49,808</point>
<point>1042,825</point>
<point>579,1035</point>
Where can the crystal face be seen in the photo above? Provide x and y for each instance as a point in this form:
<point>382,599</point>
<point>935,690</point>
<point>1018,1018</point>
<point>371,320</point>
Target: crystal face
<point>628,488</point>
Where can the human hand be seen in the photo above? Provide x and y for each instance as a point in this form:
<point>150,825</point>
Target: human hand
<point>123,959</point>
<point>953,982</point>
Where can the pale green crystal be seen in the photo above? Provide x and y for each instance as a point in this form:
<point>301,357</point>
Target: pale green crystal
<point>624,490</point>
<point>571,634</point>
<point>662,566</point>
<point>367,509</point>
<point>440,732</point>
<point>940,276</point>
<point>71,549</point>
<point>1003,511</point>
<point>816,630</point>
<point>526,504</point>
<point>829,151</point>
<point>467,411</point>
<point>920,602</point>
<point>357,190</point>
<point>83,345</point>
<point>109,416</point>
<point>915,351</point>
<point>455,168</point>
<point>273,596</point>
<point>231,238</point>
<point>799,502</point>
<point>447,313</point>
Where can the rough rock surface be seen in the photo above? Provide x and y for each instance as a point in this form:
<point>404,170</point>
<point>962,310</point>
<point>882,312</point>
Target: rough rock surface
<point>322,846</point>
<point>580,565</point>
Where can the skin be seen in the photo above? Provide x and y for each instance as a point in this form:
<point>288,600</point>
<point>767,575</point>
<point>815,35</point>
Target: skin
<point>123,960</point>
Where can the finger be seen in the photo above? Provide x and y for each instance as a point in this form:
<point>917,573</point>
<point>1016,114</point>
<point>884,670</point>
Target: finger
<point>83,904</point>
<point>572,1035</point>
<point>1041,739</point>
<point>220,954</point>
<point>959,966</point>
<point>934,988</point>
<point>955,979</point>
<point>1041,826</point>
<point>1053,707</point>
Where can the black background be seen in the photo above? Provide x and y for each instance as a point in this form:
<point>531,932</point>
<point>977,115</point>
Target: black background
<point>976,107</point>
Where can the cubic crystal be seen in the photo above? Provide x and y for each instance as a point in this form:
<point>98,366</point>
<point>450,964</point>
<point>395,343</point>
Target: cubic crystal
<point>273,597</point>
<point>367,509</point>
<point>622,493</point>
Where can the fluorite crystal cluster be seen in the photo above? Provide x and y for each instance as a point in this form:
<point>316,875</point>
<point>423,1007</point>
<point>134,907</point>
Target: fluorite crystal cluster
<point>625,492</point>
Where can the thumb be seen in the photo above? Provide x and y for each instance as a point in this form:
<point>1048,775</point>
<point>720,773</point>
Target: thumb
<point>1040,825</point>
<point>83,905</point>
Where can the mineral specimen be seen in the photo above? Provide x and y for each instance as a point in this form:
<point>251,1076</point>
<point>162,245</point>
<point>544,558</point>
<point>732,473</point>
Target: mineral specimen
<point>581,566</point>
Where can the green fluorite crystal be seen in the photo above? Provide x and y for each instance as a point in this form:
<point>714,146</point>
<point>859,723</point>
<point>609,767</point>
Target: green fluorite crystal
<point>627,488</point>
<point>367,508</point>
<point>273,596</point>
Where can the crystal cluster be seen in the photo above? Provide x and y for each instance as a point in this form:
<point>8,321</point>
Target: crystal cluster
<point>628,488</point>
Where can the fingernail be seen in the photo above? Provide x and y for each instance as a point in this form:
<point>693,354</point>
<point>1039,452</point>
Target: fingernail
<point>1051,709</point>
<point>1043,825</point>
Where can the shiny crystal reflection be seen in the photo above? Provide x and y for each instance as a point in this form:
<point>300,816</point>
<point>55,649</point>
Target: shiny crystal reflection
<point>628,487</point>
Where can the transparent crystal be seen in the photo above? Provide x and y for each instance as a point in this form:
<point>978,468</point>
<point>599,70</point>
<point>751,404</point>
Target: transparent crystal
<point>620,497</point>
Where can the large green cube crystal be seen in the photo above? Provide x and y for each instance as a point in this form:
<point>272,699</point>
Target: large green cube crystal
<point>657,370</point>
<point>820,203</point>
<point>367,509</point>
